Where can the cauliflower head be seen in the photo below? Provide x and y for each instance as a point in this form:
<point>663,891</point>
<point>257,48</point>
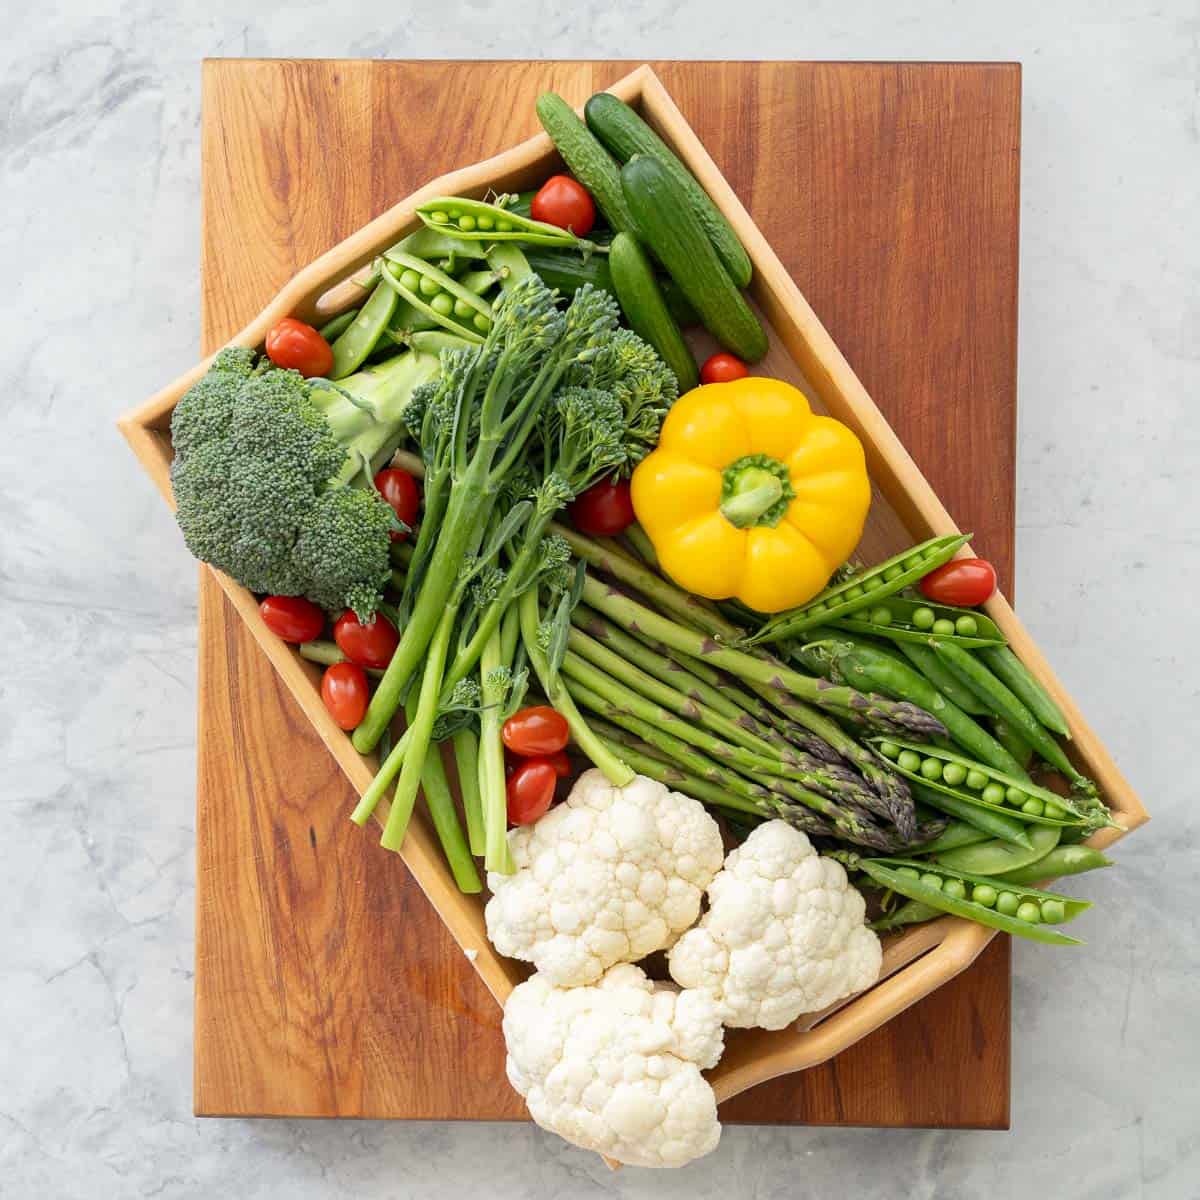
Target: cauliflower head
<point>609,876</point>
<point>615,1066</point>
<point>783,935</point>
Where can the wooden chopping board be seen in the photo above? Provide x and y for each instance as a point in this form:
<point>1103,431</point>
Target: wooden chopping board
<point>325,984</point>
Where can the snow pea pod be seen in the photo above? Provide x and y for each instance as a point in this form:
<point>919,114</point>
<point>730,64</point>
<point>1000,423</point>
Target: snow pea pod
<point>359,338</point>
<point>1011,740</point>
<point>958,833</point>
<point>993,821</point>
<point>942,678</point>
<point>433,245</point>
<point>1010,908</point>
<point>1062,860</point>
<point>981,784</point>
<point>911,913</point>
<point>996,857</point>
<point>1006,666</point>
<point>863,589</point>
<point>477,221</point>
<point>1004,703</point>
<point>335,325</point>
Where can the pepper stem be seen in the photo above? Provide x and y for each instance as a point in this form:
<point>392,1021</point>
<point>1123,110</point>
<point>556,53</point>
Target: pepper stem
<point>755,490</point>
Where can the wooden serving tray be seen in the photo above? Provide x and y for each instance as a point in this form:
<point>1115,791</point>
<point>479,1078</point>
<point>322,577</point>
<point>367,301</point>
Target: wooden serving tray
<point>325,984</point>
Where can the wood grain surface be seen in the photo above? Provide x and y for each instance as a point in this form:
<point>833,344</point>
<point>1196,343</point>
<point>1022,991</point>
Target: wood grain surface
<point>325,983</point>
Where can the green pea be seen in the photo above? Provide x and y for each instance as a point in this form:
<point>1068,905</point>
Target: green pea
<point>1054,912</point>
<point>994,793</point>
<point>889,749</point>
<point>953,773</point>
<point>976,779</point>
<point>430,287</point>
<point>929,879</point>
<point>481,323</point>
<point>923,618</point>
<point>893,573</point>
<point>442,305</point>
<point>504,227</point>
<point>853,592</point>
<point>913,561</point>
<point>955,888</point>
<point>984,894</point>
<point>463,310</point>
<point>1014,795</point>
<point>1052,808</point>
<point>1008,903</point>
<point>818,606</point>
<point>931,768</point>
<point>411,280</point>
<point>439,217</point>
<point>483,221</point>
<point>881,615</point>
<point>910,760</point>
<point>1033,806</point>
<point>466,223</point>
<point>1029,912</point>
<point>942,627</point>
<point>966,626</point>
<point>908,872</point>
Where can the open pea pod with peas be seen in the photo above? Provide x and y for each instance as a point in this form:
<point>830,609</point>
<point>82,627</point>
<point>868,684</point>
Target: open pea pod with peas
<point>901,619</point>
<point>478,221</point>
<point>1012,908</point>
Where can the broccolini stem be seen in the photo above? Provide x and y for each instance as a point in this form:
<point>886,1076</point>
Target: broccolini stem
<point>383,778</point>
<point>466,762</point>
<point>493,795</point>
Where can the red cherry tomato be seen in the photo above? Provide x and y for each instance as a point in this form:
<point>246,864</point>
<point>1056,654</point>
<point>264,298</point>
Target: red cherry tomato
<point>293,344</point>
<point>965,582</point>
<point>536,731</point>
<point>345,692</point>
<point>292,618</point>
<point>560,762</point>
<point>530,790</point>
<point>566,203</point>
<point>370,645</point>
<point>721,368</point>
<point>604,510</point>
<point>400,490</point>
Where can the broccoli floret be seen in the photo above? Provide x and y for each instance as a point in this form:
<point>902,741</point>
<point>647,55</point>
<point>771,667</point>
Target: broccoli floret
<point>264,463</point>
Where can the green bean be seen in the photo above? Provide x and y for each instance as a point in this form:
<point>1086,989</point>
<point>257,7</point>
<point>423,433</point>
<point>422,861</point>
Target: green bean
<point>335,325</point>
<point>1001,791</point>
<point>1011,740</point>
<point>928,663</point>
<point>1061,861</point>
<point>1007,667</point>
<point>869,670</point>
<point>998,856</point>
<point>994,822</point>
<point>887,873</point>
<point>1004,703</point>
<point>351,348</point>
<point>862,590</point>
<point>460,218</point>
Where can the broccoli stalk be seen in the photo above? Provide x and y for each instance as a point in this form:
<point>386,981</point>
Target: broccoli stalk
<point>264,460</point>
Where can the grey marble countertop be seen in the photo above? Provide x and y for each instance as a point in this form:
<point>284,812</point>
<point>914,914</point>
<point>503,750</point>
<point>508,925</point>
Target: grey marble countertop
<point>99,163</point>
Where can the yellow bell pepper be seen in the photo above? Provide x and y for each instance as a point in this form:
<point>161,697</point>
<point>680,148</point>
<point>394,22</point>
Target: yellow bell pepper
<point>751,495</point>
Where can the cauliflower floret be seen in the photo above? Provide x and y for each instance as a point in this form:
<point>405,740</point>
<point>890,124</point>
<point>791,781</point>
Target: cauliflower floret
<point>615,1066</point>
<point>783,934</point>
<point>611,875</point>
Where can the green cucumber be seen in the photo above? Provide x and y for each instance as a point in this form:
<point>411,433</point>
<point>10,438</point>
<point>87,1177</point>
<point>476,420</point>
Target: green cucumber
<point>671,231</point>
<point>646,311</point>
<point>625,134</point>
<point>588,161</point>
<point>568,271</point>
<point>677,304</point>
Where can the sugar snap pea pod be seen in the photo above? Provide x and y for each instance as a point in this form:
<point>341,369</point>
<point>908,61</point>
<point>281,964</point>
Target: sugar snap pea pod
<point>479,283</point>
<point>980,783</point>
<point>508,264</point>
<point>1009,668</point>
<point>432,245</point>
<point>982,900</point>
<point>867,669</point>
<point>957,834</point>
<point>913,912</point>
<point>360,337</point>
<point>992,821</point>
<point>997,856</point>
<point>334,326</point>
<point>1061,861</point>
<point>434,341</point>
<point>862,589</point>
<point>1000,698</point>
<point>439,306</point>
<point>942,678</point>
<point>477,221</point>
<point>1011,740</point>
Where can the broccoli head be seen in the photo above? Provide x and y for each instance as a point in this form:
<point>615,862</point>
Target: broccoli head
<point>272,475</point>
